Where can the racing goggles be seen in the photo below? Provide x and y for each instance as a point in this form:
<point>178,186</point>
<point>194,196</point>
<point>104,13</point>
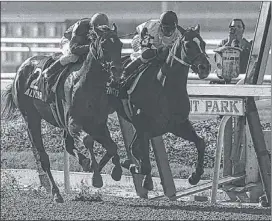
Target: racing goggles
<point>168,30</point>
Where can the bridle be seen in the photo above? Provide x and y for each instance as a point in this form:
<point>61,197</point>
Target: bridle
<point>191,63</point>
<point>106,65</point>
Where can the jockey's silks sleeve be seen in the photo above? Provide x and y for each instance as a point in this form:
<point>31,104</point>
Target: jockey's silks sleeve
<point>79,44</point>
<point>68,33</point>
<point>78,49</point>
<point>154,30</point>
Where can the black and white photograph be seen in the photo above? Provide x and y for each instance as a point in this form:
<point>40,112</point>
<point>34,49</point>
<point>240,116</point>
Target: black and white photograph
<point>135,110</point>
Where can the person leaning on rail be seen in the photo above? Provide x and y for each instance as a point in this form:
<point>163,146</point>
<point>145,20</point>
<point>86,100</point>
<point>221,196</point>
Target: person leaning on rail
<point>74,44</point>
<point>154,39</point>
<point>236,32</point>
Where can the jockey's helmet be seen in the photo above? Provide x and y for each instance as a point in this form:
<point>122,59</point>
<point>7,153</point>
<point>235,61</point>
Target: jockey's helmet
<point>169,22</point>
<point>99,19</point>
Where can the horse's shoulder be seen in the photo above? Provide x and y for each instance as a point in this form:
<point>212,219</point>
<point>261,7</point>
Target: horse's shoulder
<point>74,74</point>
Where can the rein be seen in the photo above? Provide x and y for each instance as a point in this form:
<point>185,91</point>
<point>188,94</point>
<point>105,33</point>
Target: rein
<point>127,35</point>
<point>185,63</point>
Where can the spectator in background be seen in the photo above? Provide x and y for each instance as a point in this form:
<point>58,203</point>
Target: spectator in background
<point>236,32</point>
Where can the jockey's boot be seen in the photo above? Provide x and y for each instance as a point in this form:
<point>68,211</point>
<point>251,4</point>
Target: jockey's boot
<point>131,67</point>
<point>51,74</point>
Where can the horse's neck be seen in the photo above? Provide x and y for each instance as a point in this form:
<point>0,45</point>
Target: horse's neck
<point>177,77</point>
<point>90,72</point>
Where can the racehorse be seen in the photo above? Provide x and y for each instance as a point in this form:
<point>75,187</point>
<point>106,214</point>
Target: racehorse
<point>80,105</point>
<point>159,103</point>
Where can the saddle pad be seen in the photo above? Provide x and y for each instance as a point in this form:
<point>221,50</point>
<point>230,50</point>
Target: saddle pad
<point>36,82</point>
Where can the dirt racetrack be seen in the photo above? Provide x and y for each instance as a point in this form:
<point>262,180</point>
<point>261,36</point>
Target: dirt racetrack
<point>32,205</point>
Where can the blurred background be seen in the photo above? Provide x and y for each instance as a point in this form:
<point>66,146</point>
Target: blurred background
<point>31,28</point>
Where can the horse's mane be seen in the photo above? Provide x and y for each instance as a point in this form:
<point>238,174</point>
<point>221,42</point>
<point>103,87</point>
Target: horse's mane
<point>102,28</point>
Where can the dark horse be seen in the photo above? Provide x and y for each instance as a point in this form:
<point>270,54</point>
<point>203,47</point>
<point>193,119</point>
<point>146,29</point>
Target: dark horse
<point>160,102</point>
<point>81,105</point>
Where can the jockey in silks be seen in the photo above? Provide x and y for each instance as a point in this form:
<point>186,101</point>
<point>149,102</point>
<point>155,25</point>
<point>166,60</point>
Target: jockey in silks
<point>74,44</point>
<point>154,40</point>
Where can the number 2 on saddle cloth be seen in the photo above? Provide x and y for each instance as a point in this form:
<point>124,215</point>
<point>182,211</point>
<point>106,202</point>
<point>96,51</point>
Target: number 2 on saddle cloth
<point>36,82</point>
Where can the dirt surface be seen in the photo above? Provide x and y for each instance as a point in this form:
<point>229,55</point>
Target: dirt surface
<point>33,205</point>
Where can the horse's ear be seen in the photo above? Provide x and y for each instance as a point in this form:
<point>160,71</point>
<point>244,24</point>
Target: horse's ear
<point>197,28</point>
<point>114,27</point>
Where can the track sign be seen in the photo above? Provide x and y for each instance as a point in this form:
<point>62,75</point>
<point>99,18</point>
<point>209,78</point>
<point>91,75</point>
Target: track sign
<point>217,106</point>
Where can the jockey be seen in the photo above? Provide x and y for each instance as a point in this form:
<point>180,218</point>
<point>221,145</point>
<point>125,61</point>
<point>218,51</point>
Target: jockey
<point>75,43</point>
<point>154,39</point>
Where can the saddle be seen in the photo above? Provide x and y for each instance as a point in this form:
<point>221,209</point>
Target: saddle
<point>36,84</point>
<point>130,80</point>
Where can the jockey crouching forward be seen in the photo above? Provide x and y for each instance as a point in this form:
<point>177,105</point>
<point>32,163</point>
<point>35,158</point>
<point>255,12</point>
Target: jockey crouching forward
<point>74,44</point>
<point>154,39</point>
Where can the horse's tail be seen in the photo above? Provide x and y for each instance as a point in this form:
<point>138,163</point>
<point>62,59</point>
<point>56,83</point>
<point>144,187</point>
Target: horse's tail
<point>8,106</point>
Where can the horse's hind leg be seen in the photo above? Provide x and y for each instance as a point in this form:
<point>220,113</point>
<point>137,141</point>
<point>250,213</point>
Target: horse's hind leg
<point>186,131</point>
<point>34,131</point>
<point>105,140</point>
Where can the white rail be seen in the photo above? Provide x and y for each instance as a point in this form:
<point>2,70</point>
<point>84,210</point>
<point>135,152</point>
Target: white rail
<point>43,49</point>
<point>191,76</point>
<point>57,40</point>
<point>211,42</point>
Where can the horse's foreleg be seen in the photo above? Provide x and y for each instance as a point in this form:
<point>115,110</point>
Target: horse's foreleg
<point>97,178</point>
<point>105,140</point>
<point>78,133</point>
<point>71,149</point>
<point>186,131</point>
<point>144,149</point>
<point>34,133</point>
<point>146,165</point>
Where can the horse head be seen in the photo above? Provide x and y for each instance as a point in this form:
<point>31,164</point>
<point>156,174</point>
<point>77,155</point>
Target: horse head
<point>189,50</point>
<point>106,48</point>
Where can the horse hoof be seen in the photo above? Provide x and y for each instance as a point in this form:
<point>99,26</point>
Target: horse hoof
<point>58,199</point>
<point>86,165</point>
<point>97,180</point>
<point>134,169</point>
<point>126,164</point>
<point>143,195</point>
<point>148,182</point>
<point>263,201</point>
<point>116,173</point>
<point>193,179</point>
<point>173,197</point>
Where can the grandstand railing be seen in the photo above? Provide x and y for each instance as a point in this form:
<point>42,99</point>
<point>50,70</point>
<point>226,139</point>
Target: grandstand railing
<point>126,42</point>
